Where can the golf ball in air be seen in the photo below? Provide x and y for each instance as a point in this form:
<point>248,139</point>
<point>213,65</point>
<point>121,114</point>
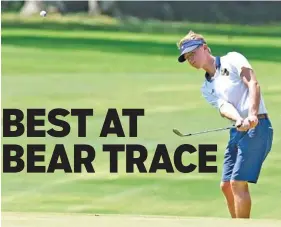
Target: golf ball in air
<point>43,13</point>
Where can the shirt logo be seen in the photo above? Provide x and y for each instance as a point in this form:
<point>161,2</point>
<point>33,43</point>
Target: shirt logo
<point>224,72</point>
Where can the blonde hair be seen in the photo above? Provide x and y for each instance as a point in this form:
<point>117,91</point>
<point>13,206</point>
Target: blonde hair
<point>192,36</point>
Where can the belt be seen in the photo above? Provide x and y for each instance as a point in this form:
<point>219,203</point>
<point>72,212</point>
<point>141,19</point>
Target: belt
<point>262,116</point>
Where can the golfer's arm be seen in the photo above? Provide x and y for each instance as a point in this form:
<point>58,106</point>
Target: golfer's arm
<point>251,82</point>
<point>225,108</point>
<point>228,111</point>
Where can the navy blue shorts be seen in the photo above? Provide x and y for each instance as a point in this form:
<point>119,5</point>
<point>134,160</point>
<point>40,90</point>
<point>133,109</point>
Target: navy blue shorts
<point>246,152</point>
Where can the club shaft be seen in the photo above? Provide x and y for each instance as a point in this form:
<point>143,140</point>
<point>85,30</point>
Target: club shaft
<point>206,131</point>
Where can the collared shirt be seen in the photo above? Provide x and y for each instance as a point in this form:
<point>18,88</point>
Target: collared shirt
<point>227,85</point>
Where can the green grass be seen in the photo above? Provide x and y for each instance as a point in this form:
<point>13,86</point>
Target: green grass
<point>71,219</point>
<point>131,24</point>
<point>43,68</point>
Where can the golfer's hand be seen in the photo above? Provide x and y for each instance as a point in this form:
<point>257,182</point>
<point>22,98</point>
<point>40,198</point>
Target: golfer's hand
<point>242,125</point>
<point>253,121</point>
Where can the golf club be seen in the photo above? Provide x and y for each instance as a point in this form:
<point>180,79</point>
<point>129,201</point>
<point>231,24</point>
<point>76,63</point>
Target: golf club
<point>177,132</point>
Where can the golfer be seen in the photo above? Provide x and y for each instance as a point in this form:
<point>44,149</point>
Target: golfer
<point>230,85</point>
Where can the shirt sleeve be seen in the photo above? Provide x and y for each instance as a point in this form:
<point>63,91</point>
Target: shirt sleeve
<point>238,61</point>
<point>212,99</point>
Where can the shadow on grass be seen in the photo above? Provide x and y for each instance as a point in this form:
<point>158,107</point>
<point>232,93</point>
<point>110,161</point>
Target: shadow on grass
<point>265,53</point>
<point>148,27</point>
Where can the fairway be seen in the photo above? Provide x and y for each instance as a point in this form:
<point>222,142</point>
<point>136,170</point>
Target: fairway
<point>44,68</point>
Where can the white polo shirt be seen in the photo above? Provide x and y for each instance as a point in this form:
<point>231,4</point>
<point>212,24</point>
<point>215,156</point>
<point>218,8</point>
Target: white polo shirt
<point>229,87</point>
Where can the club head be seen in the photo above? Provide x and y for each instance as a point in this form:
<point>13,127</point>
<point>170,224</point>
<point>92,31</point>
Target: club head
<point>177,132</point>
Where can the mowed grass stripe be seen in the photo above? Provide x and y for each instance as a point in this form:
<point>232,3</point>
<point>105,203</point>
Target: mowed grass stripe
<point>129,36</point>
<point>269,53</point>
